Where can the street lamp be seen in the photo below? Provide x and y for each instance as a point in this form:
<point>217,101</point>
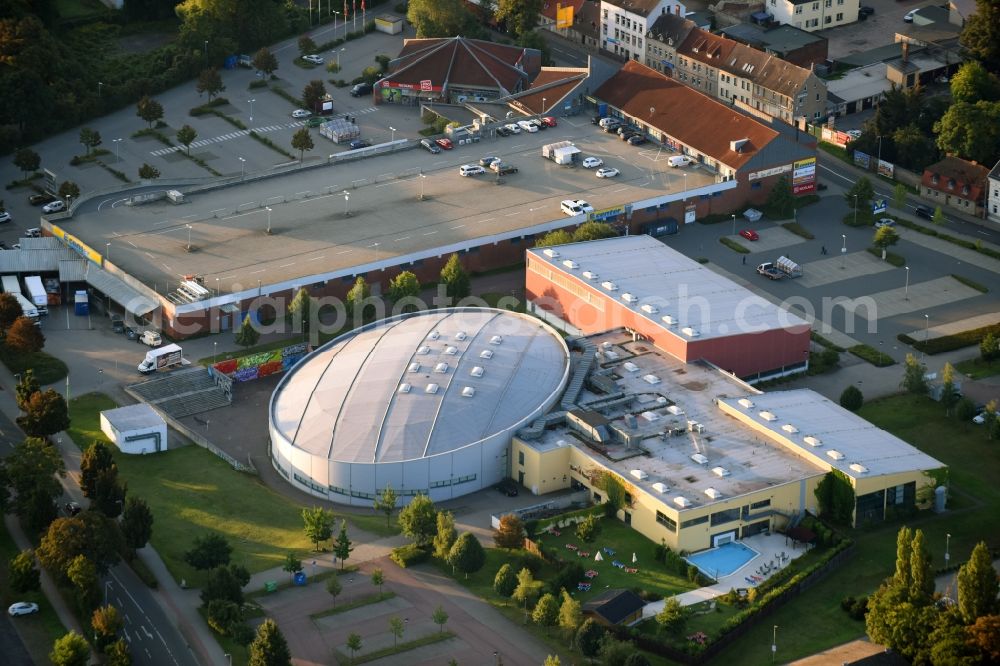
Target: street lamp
<point>422,179</point>
<point>543,104</point>
<point>341,50</point>
<point>774,643</point>
<point>335,15</point>
<point>375,245</point>
<point>206,51</point>
<point>927,325</point>
<point>734,223</point>
<point>99,86</point>
<point>393,129</point>
<point>947,555</point>
<point>217,292</point>
<point>215,350</point>
<point>347,199</point>
<point>251,110</point>
<point>268,220</point>
<point>230,658</point>
<point>116,142</point>
<point>879,153</point>
<point>906,289</point>
<point>107,252</point>
<point>855,210</point>
<point>189,236</point>
<point>843,251</point>
<point>107,584</point>
<point>243,168</point>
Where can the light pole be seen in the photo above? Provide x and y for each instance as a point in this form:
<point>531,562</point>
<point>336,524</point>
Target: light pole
<point>107,252</point>
<point>189,236</point>
<point>230,658</point>
<point>217,292</point>
<point>685,187</point>
<point>393,129</point>
<point>215,351</point>
<point>927,326</point>
<point>347,199</point>
<point>422,179</point>
<point>99,86</point>
<point>340,51</point>
<point>543,105</point>
<point>774,643</point>
<point>251,110</point>
<point>879,153</point>
<point>116,142</point>
<point>843,251</point>
<point>906,289</point>
<point>947,555</point>
<point>734,223</point>
<point>206,52</point>
<point>375,245</point>
<point>268,220</point>
<point>855,210</point>
<point>107,584</point>
<point>335,15</point>
<point>243,168</point>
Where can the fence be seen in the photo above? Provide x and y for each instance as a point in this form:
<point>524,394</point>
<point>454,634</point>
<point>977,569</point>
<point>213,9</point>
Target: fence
<point>262,364</point>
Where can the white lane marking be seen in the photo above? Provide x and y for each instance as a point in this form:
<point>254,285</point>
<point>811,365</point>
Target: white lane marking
<point>286,265</point>
<point>317,258</point>
<point>255,272</point>
<point>343,252</point>
<point>403,238</point>
<point>148,255</point>
<point>430,233</point>
<point>512,214</point>
<point>488,219</point>
<point>131,243</point>
<point>459,226</point>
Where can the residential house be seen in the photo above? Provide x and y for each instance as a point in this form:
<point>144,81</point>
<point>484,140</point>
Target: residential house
<point>624,24</point>
<point>789,43</point>
<point>614,607</point>
<point>993,198</point>
<point>548,17</point>
<point>957,184</point>
<point>811,15</point>
<point>663,39</point>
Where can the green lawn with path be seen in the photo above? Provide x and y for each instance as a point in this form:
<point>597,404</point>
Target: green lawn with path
<point>977,368</point>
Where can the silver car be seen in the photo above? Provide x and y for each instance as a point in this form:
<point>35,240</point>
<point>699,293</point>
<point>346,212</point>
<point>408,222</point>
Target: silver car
<point>22,608</point>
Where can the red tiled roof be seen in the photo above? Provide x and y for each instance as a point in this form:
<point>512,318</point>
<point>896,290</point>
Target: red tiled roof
<point>706,47</point>
<point>457,61</point>
<point>954,175</point>
<point>551,85</point>
<point>687,115</point>
<point>549,8</point>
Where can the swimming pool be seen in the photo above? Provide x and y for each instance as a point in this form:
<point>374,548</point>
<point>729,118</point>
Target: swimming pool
<point>725,560</point>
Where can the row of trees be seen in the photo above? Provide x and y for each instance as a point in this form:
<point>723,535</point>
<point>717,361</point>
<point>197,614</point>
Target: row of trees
<point>585,232</point>
<point>914,381</point>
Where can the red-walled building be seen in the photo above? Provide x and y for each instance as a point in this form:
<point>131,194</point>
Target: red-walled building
<point>679,305</point>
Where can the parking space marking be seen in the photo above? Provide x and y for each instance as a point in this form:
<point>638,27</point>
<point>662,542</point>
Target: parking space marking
<point>343,252</point>
<point>401,239</point>
<point>225,137</point>
<point>459,226</point>
<point>430,233</point>
<point>317,258</point>
<point>255,272</point>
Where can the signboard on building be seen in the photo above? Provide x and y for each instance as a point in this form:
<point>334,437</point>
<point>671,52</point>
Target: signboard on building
<point>804,176</point>
<point>564,16</point>
<point>50,180</point>
<point>862,159</point>
<point>767,173</point>
<point>76,245</point>
<point>835,137</point>
<point>426,85</point>
<point>885,168</point>
<point>608,213</point>
<point>690,214</point>
<point>385,83</point>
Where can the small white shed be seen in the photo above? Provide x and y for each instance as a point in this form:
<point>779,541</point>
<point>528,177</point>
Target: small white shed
<point>135,429</point>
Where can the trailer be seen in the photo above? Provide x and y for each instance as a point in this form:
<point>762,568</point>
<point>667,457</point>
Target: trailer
<point>37,293</point>
<point>549,149</point>
<point>566,155</point>
<point>340,130</point>
<point>10,284</point>
<point>788,267</point>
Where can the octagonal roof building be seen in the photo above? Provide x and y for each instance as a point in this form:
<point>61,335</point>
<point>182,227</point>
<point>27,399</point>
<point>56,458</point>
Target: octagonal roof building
<point>425,402</point>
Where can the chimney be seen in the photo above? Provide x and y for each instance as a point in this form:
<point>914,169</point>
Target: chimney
<point>906,51</point>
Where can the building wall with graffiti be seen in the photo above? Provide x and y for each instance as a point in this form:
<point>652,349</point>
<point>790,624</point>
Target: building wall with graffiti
<point>261,364</point>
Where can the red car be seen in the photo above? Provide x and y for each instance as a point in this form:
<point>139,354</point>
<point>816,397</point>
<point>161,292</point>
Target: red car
<point>444,143</point>
<point>750,234</point>
<point>549,121</point>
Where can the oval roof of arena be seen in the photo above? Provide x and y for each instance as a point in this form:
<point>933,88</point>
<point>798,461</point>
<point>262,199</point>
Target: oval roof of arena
<point>420,385</point>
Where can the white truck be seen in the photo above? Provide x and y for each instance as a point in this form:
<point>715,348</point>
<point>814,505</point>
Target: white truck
<point>150,338</point>
<point>37,294</point>
<point>13,287</point>
<point>561,152</point>
<point>163,357</point>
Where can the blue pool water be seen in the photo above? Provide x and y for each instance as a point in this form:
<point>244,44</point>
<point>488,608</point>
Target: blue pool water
<point>724,560</point>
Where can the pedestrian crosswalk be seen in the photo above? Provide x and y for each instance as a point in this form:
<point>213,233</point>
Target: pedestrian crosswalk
<point>241,133</point>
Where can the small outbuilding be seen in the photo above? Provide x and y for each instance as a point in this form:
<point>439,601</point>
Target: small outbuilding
<point>137,429</point>
<point>614,607</point>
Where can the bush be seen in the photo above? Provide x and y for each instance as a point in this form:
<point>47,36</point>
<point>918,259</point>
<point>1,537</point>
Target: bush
<point>408,555</point>
<point>257,83</point>
<point>947,343</point>
<point>872,355</point>
<point>527,561</point>
<point>971,283</point>
<point>852,398</point>
<point>896,260</point>
<point>798,230</point>
<point>733,245</point>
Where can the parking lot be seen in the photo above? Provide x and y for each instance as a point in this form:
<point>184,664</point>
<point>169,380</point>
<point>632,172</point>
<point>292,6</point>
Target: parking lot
<point>878,30</point>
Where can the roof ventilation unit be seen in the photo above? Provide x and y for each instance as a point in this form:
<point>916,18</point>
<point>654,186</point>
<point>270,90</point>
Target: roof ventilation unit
<point>434,335</point>
<point>836,455</point>
<point>651,416</point>
<point>675,410</point>
<point>812,441</point>
<point>552,254</point>
<point>590,275</point>
<point>423,350</point>
<point>699,458</point>
<point>745,403</point>
<point>496,339</point>
<point>682,501</point>
<point>629,298</point>
<point>414,367</point>
<point>404,388</point>
<point>569,263</point>
<point>431,388</point>
<point>660,487</point>
<point>609,285</point>
<point>451,351</point>
<point>720,471</point>
<point>441,368</point>
<point>630,366</point>
<point>651,379</point>
<point>611,355</point>
<point>477,371</point>
<point>650,309</point>
<point>690,332</point>
<point>638,474</point>
<point>486,353</point>
<point>859,468</point>
<point>461,335</point>
<point>669,320</point>
<point>768,416</point>
<point>468,391</point>
<point>713,493</point>
<point>789,428</point>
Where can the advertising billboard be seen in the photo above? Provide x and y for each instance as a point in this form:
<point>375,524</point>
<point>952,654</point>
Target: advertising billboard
<point>804,176</point>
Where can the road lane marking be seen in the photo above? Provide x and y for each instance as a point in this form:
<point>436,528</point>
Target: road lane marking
<point>403,238</point>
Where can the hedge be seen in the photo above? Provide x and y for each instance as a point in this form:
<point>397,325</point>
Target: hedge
<point>872,355</point>
<point>575,516</point>
<point>896,260</point>
<point>819,339</point>
<point>798,230</point>
<point>408,555</point>
<point>733,245</point>
<point>967,244</point>
<point>947,343</point>
<point>971,283</point>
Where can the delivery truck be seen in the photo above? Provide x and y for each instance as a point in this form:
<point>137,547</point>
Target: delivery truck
<point>37,294</point>
<point>161,358</point>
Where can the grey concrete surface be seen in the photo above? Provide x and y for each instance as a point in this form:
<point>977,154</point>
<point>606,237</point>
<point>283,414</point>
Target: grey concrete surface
<point>877,30</point>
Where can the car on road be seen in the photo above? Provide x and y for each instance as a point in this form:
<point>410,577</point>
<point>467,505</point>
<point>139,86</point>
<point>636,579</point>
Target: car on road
<point>925,212</point>
<point>5,216</point>
<point>54,206</point>
<point>22,608</point>
<point>592,162</point>
<point>908,18</point>
<point>130,333</point>
<point>596,120</point>
<point>73,508</point>
<point>885,222</point>
<point>39,199</point>
<point>527,126</point>
<point>607,172</point>
<point>471,170</point>
<point>314,122</point>
<point>430,146</point>
<point>360,89</point>
<point>359,143</point>
<point>512,128</point>
<point>750,234</point>
<point>444,143</point>
<point>549,121</point>
<point>865,12</point>
<point>636,140</point>
<point>301,113</point>
<point>573,207</point>
<point>314,59</point>
<point>488,160</point>
<point>612,128</point>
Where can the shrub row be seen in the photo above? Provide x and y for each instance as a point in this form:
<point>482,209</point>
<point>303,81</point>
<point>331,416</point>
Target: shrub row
<point>819,339</point>
<point>159,136</point>
<point>798,230</point>
<point>207,107</point>
<point>287,95</point>
<point>408,555</point>
<point>271,144</point>
<point>872,355</point>
<point>971,283</point>
<point>567,518</point>
<point>967,244</point>
<point>896,260</point>
<point>947,343</point>
<point>733,245</point>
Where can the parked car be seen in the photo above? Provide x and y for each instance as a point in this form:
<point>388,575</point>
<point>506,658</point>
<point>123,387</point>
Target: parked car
<point>679,161</point>
<point>39,199</point>
<point>512,128</point>
<point>54,206</point>
<point>301,113</point>
<point>471,170</point>
<point>613,128</point>
<point>488,160</point>
<point>750,234</point>
<point>607,172</point>
<point>430,146</point>
<point>596,120</point>
<point>573,207</point>
<point>130,333</point>
<point>925,212</point>
<point>537,123</point>
<point>626,134</point>
<point>444,143</point>
<point>5,216</point>
<point>865,12</point>
<point>592,162</point>
<point>314,59</point>
<point>117,324</point>
<point>885,222</point>
<point>359,143</point>
<point>503,131</point>
<point>908,18</point>
<point>980,417</point>
<point>360,89</point>
<point>636,140</point>
<point>527,126</point>
<point>314,122</point>
<point>549,121</point>
<point>72,508</point>
<point>22,608</point>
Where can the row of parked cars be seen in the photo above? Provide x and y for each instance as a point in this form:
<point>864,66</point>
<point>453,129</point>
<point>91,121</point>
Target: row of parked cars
<point>531,125</point>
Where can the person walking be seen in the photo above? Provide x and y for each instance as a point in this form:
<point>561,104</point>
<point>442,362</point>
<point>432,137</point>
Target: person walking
<point>744,260</point>
<point>822,250</point>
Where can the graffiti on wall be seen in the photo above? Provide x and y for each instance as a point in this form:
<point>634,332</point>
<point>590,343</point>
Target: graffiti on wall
<point>261,364</point>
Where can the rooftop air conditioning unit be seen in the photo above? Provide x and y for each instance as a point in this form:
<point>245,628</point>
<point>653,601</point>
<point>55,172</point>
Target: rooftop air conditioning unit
<point>650,309</point>
<point>569,263</point>
<point>690,332</point>
<point>468,391</point>
<point>414,367</point>
<point>423,350</point>
<point>451,351</point>
<point>660,487</point>
<point>629,298</point>
<point>461,335</point>
<point>638,474</point>
<point>699,458</point>
<point>441,368</point>
<point>768,416</point>
<point>630,366</point>
<point>745,403</point>
<point>836,455</point>
<point>651,379</point>
<point>496,339</point>
<point>713,493</point>
<point>549,252</point>
<point>675,410</point>
<point>789,428</point>
<point>609,285</point>
<point>431,388</point>
<point>682,501</point>
<point>812,441</point>
<point>720,471</point>
<point>434,335</point>
<point>669,320</point>
<point>859,468</point>
<point>590,275</point>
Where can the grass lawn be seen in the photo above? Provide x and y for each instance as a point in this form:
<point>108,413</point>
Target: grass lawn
<point>192,492</point>
<point>702,619</point>
<point>37,631</point>
<point>814,621</point>
<point>73,9</point>
<point>977,368</point>
<point>47,368</point>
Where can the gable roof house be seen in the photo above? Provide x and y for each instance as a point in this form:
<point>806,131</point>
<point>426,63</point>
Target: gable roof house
<point>957,184</point>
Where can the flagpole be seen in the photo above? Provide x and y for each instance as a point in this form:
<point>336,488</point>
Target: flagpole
<point>354,11</point>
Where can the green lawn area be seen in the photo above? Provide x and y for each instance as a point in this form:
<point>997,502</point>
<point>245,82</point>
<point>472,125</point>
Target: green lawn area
<point>47,368</point>
<point>192,492</point>
<point>974,462</point>
<point>72,9</point>
<point>40,630</point>
<point>977,368</point>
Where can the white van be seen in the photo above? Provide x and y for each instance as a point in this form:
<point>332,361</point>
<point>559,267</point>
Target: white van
<point>679,161</point>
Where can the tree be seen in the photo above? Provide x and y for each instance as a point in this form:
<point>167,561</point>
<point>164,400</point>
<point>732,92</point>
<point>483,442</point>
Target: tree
<point>637,659</point>
<point>136,523</point>
<point>972,83</point>
<point>781,201</point>
<point>210,82</point>
<point>418,520</point>
<point>864,191</point>
<point>885,237</point>
<point>467,554</point>
<point>546,612</point>
<point>334,588</point>
<point>22,574</point>
<point>556,237</point>
<point>899,193</point>
<point>342,546</point>
<point>527,589</point>
<point>118,653</point>
<point>106,622</point>
<point>915,148</point>
<point>10,311</point>
<point>25,337</point>
<point>851,398</point>
<point>318,524</point>
<point>386,502</point>
<point>966,130</point>
<point>82,573</point>
<point>302,141</point>
<point>510,532</point>
<point>32,470</point>
<point>949,396</point>
<point>404,285</point>
<point>520,16</point>
<point>223,615</point>
<point>300,312</point>
<point>96,458</point>
<point>456,280</point>
<point>977,585</point>
<point>358,307</point>
<point>269,648</point>
<point>70,650</point>
<point>440,618</point>
<point>984,634</point>
<point>247,335</point>
<point>445,536</point>
<point>938,217</point>
<point>90,138</point>
<point>149,110</point>
<point>589,636</point>
<point>505,581</point>
<point>27,160</point>
<point>552,660</point>
<point>914,372</point>
<point>396,628</point>
<point>672,617</point>
<point>588,529</point>
<point>307,46</point>
<point>265,61</point>
<point>441,18</point>
<point>225,583</point>
<point>981,35</point>
<point>353,644</point>
<point>614,652</point>
<point>921,574</point>
<point>570,615</point>
<point>313,94</point>
<point>68,190</point>
<point>835,495</point>
<point>292,564</point>
<point>378,580</point>
<point>89,534</point>
<point>589,231</point>
<point>989,346</point>
<point>209,551</point>
<point>147,172</point>
<point>186,136</point>
<point>26,387</point>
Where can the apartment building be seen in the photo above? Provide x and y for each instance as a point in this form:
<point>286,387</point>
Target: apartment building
<point>723,68</point>
<point>624,24</point>
<point>812,15</point>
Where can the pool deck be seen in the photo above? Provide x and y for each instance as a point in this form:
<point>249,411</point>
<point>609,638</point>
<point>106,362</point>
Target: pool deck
<point>770,548</point>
